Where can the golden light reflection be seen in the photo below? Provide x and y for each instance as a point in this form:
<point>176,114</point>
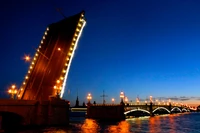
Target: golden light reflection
<point>172,123</point>
<point>152,125</point>
<point>122,127</point>
<point>90,126</point>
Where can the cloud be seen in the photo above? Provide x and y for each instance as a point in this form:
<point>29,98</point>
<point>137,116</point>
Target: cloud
<point>174,98</point>
<point>181,98</point>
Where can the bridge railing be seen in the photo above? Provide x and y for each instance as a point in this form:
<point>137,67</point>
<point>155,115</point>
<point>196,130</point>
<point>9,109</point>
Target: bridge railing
<point>105,104</point>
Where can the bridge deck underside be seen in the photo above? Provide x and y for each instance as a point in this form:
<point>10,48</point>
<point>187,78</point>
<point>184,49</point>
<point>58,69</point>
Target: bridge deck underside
<point>51,61</point>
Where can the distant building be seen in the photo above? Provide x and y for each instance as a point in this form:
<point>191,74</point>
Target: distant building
<point>77,102</point>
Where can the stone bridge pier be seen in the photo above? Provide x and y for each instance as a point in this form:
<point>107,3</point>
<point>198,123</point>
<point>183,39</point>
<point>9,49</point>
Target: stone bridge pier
<point>17,113</point>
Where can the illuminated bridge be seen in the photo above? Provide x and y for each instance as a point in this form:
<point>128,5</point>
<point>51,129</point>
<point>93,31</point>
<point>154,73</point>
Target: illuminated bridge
<point>39,97</point>
<point>125,108</point>
<point>49,68</point>
<point>121,111</point>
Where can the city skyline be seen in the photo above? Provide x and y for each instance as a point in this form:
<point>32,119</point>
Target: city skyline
<point>144,49</point>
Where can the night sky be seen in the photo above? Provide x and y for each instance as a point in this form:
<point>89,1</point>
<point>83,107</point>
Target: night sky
<point>141,47</point>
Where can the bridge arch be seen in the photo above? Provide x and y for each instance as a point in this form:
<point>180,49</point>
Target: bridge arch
<point>136,110</point>
<point>184,109</point>
<point>10,120</point>
<point>161,108</point>
<point>176,108</point>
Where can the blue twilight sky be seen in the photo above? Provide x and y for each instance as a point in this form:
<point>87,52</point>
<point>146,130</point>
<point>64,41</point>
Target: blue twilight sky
<point>141,47</point>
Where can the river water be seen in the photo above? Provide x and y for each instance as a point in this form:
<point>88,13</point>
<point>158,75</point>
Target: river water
<point>176,123</point>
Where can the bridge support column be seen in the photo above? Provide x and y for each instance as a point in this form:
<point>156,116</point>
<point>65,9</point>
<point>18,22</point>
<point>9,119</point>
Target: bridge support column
<point>170,108</point>
<point>151,109</point>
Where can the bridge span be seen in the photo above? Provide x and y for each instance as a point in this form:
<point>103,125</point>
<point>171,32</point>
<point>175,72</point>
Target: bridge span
<point>108,111</point>
<point>39,97</point>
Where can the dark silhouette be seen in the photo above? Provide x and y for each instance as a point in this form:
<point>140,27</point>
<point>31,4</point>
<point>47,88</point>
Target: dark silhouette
<point>77,102</point>
<point>83,104</point>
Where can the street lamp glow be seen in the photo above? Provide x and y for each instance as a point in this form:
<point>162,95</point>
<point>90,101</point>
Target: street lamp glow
<point>169,100</point>
<point>58,81</point>
<point>61,78</point>
<point>121,94</point>
<point>12,91</point>
<point>137,100</point>
<point>89,97</point>
<point>27,58</point>
<point>126,99</point>
<point>59,49</point>
<point>151,98</point>
<point>57,88</point>
<point>13,86</point>
<point>156,100</point>
<point>113,100</point>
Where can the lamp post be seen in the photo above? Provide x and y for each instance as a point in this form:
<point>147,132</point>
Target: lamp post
<point>58,88</point>
<point>122,96</point>
<point>151,99</point>
<point>126,99</point>
<point>89,97</point>
<point>137,100</point>
<point>12,91</point>
<point>169,101</point>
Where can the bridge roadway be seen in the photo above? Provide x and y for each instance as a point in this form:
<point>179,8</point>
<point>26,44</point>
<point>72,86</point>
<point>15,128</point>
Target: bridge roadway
<point>16,113</point>
<point>142,107</point>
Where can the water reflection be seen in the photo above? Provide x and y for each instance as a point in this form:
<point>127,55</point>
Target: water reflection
<point>90,126</point>
<point>152,125</point>
<point>180,123</point>
<point>121,127</point>
<point>54,131</point>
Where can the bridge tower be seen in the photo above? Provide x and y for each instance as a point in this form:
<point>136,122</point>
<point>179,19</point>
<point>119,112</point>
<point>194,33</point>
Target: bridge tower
<point>49,68</point>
